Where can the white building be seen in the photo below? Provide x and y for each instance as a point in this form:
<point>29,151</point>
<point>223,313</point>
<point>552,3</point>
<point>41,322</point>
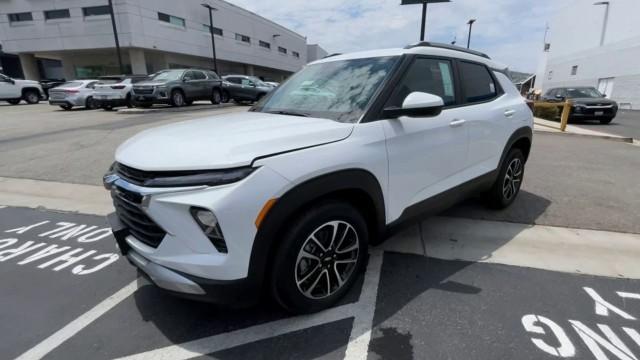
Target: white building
<point>74,38</point>
<point>595,45</point>
<point>315,52</point>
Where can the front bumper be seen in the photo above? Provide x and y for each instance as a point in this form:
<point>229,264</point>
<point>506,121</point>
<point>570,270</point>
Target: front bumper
<point>593,113</point>
<point>151,96</point>
<point>186,262</point>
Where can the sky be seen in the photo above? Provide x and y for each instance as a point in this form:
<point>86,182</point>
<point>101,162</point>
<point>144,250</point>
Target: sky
<point>510,31</point>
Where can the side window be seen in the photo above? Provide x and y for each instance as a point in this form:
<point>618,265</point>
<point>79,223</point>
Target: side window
<point>213,75</point>
<point>199,75</point>
<point>91,85</point>
<point>551,93</point>
<point>247,82</point>
<point>477,82</point>
<point>233,80</point>
<point>426,75</point>
<point>190,75</point>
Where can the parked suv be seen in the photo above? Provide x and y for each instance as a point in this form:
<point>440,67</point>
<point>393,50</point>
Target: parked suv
<point>287,196</point>
<point>13,90</point>
<point>178,87</point>
<point>587,103</point>
<point>245,88</point>
<point>115,90</point>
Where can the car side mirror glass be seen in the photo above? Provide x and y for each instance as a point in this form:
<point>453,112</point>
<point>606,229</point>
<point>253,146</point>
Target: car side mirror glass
<point>417,104</point>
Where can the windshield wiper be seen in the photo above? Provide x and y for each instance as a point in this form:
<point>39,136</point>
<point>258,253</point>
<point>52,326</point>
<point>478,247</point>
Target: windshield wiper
<point>287,112</point>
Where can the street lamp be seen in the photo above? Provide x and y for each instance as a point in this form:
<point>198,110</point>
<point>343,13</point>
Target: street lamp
<point>213,38</point>
<point>606,19</point>
<point>470,23</point>
<point>424,11</point>
<point>115,35</point>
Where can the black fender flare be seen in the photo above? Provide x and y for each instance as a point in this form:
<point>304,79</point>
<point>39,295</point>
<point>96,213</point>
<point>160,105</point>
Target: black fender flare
<point>524,132</point>
<point>296,198</point>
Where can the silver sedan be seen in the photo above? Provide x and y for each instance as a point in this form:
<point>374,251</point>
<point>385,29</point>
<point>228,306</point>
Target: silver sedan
<point>73,93</point>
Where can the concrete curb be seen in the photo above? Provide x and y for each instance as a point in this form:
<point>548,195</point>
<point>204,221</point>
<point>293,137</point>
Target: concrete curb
<point>605,137</point>
<point>196,107</point>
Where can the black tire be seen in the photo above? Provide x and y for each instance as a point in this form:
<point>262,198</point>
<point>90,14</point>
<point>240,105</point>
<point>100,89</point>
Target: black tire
<point>216,97</point>
<point>31,97</point>
<point>177,98</point>
<point>66,107</point>
<point>225,96</point>
<point>605,121</point>
<point>289,264</point>
<point>90,103</point>
<point>507,186</point>
<point>128,102</point>
<point>14,101</point>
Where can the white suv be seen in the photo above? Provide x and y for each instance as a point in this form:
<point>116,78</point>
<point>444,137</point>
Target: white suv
<point>13,90</point>
<point>287,197</point>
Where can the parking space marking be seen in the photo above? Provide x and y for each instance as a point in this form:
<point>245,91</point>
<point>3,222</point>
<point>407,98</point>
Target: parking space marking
<point>362,311</point>
<point>358,346</point>
<point>62,335</point>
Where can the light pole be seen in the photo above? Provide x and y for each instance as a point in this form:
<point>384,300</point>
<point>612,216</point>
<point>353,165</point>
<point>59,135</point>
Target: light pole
<point>606,19</point>
<point>213,38</point>
<point>424,3</point>
<point>115,35</point>
<point>470,23</point>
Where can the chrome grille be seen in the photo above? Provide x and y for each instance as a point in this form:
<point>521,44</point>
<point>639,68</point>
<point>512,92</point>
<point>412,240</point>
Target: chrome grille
<point>128,208</point>
<point>139,90</point>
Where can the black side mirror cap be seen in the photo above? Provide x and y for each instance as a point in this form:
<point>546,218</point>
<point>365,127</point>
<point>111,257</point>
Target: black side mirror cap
<point>396,112</point>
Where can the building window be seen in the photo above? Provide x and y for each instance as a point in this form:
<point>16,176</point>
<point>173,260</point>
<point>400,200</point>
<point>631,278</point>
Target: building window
<point>96,11</point>
<point>243,38</point>
<point>216,31</point>
<point>550,75</point>
<point>282,50</point>
<point>171,19</point>
<point>17,17</point>
<point>265,44</point>
<point>57,14</point>
<point>296,54</point>
<point>574,70</point>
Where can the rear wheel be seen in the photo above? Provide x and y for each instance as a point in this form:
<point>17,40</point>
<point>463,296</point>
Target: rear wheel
<point>66,107</point>
<point>177,98</point>
<point>128,102</point>
<point>14,101</point>
<point>320,257</point>
<point>507,186</point>
<point>31,97</point>
<point>90,103</point>
<point>225,96</point>
<point>216,97</point>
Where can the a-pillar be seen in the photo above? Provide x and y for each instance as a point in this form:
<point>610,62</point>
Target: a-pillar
<point>29,66</point>
<point>138,61</point>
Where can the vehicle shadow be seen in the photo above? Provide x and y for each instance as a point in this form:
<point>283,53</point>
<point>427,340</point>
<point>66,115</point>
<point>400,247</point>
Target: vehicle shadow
<point>404,278</point>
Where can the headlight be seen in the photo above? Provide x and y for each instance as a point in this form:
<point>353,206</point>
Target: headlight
<point>198,178</point>
<point>209,224</point>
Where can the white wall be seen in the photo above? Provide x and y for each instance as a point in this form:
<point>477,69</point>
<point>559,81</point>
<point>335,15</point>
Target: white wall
<point>139,27</point>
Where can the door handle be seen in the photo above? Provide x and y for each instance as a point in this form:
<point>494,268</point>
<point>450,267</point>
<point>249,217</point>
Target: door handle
<point>457,122</point>
<point>509,113</point>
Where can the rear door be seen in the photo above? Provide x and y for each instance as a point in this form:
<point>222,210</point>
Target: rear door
<point>425,153</point>
<point>202,85</point>
<point>488,115</point>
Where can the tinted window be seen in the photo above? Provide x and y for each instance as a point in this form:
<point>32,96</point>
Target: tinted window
<point>282,50</point>
<point>213,75</point>
<point>247,82</point>
<point>265,44</point>
<point>426,75</point>
<point>477,82</point>
<point>233,80</point>
<point>56,14</point>
<point>96,10</point>
<point>17,17</point>
<point>171,19</point>
<point>199,75</point>
<point>243,38</point>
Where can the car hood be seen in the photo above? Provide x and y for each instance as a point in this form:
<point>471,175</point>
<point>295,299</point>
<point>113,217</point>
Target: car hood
<point>226,141</point>
<point>593,101</point>
<point>27,82</point>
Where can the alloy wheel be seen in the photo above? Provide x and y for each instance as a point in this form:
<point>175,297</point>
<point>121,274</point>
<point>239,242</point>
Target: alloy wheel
<point>178,99</point>
<point>327,259</point>
<point>512,179</point>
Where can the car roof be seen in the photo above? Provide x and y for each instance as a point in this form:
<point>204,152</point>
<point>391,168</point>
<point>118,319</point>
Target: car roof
<point>431,49</point>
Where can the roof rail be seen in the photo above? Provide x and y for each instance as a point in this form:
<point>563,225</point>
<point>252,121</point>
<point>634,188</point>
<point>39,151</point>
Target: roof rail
<point>331,55</point>
<point>448,47</point>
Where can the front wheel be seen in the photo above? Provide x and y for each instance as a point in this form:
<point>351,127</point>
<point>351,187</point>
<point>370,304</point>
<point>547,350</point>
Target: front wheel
<point>91,104</point>
<point>177,98</point>
<point>320,257</point>
<point>225,96</point>
<point>216,97</point>
<point>507,186</point>
<point>31,97</point>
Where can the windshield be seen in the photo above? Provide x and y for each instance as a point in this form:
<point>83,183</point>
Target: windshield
<point>583,93</point>
<point>169,75</point>
<point>336,90</point>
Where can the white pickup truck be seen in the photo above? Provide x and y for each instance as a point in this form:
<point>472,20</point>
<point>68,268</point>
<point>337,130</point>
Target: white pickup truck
<point>13,91</point>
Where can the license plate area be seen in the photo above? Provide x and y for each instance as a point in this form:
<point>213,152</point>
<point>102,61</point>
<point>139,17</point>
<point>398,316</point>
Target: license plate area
<point>598,113</point>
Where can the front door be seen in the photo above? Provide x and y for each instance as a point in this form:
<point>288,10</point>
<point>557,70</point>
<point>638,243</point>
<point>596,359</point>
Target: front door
<point>426,153</point>
<point>8,90</point>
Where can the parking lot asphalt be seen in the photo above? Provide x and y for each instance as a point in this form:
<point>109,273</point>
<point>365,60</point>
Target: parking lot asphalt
<point>411,307</point>
<point>626,123</point>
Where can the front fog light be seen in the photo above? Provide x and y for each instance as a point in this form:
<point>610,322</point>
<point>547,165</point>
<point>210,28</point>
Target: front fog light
<point>209,225</point>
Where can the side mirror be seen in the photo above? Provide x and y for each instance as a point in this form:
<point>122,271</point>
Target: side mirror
<point>416,104</point>
<point>604,95</point>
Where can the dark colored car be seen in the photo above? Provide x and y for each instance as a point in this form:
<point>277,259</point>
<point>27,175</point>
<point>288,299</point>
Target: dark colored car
<point>245,88</point>
<point>48,84</point>
<point>588,103</point>
<point>178,87</point>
